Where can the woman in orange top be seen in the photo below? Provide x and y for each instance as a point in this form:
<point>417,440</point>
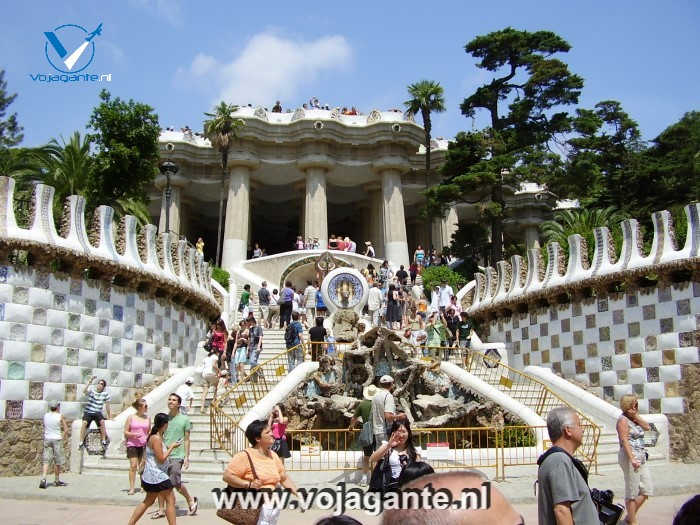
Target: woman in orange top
<point>268,467</point>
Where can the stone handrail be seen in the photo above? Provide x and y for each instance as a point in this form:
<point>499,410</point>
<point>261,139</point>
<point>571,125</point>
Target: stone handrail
<point>149,261</point>
<point>520,281</point>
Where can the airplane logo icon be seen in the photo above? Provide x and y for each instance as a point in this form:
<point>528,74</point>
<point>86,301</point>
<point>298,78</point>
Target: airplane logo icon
<point>69,60</point>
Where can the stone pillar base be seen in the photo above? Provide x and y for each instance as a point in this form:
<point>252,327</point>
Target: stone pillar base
<point>397,253</point>
<point>234,251</point>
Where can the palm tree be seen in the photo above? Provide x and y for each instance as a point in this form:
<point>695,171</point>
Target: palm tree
<point>427,96</point>
<point>220,129</point>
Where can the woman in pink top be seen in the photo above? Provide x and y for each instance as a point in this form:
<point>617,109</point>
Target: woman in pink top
<point>136,431</point>
<point>278,424</point>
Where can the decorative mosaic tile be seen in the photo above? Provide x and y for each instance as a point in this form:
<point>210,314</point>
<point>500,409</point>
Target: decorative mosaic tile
<point>127,363</point>
<point>602,305</point>
<point>39,316</point>
<point>141,318</point>
<point>150,306</point>
<point>683,307</point>
<point>130,300</point>
<point>4,271</point>
<point>580,365</point>
<point>648,312</point>
<point>608,393</point>
<point>104,327</point>
<point>685,339</point>
<point>618,316</point>
<point>13,409</point>
<point>669,357</point>
<point>636,360</point>
<point>139,349</point>
<point>606,362</point>
<point>553,314</point>
<point>36,390</point>
<point>545,356</point>
<point>672,389</point>
<point>182,317</point>
<point>632,300</point>
<point>516,321</point>
<point>15,370</point>
<point>554,341</point>
<point>55,372</point>
<point>18,332</point>
<point>652,374</point>
<point>59,302</point>
<point>114,378</point>
<point>167,312</point>
<point>149,335</point>
<point>578,337</point>
<point>38,353</point>
<point>70,391</point>
<point>57,337</point>
<point>117,312</point>
<point>594,377</point>
<point>526,359</point>
<point>2,311</point>
<point>556,367</point>
<point>90,306</point>
<point>173,354</point>
<point>638,389</point>
<point>76,287</point>
<point>87,374</point>
<point>524,333</point>
<point>621,376</point>
<point>544,329</point>
<point>664,294</point>
<point>149,366</point>
<point>655,406</point>
<point>534,345</point>
<point>159,352</point>
<point>604,333</point>
<point>74,322</point>
<point>2,346</point>
<point>166,338</point>
<point>696,288</point>
<point>20,295</point>
<point>565,325</point>
<point>576,309</point>
<point>105,293</point>
<point>633,329</point>
<point>650,343</point>
<point>509,337</point>
<point>101,359</point>
<point>138,380</point>
<point>592,350</point>
<point>187,330</point>
<point>516,349</point>
<point>72,356</point>
<point>129,331</point>
<point>567,353</point>
<point>666,325</point>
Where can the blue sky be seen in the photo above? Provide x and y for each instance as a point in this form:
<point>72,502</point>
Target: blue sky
<point>181,57</point>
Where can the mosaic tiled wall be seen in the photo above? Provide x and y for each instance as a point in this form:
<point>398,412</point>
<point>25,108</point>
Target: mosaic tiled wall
<point>56,332</point>
<point>623,343</point>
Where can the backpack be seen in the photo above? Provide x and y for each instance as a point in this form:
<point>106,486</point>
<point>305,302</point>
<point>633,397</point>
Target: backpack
<point>290,335</point>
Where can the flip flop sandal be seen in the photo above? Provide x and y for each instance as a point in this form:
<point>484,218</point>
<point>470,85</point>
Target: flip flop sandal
<point>194,506</point>
<point>158,514</point>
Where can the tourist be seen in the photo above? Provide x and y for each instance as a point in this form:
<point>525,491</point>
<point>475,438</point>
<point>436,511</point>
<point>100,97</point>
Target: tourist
<point>178,431</point>
<point>454,304</point>
<point>210,376</point>
<point>632,456</point>
<point>398,450</point>
<point>499,511</point>
<point>309,301</point>
<point>464,332</point>
<point>384,410</point>
<point>563,495</point>
<point>413,272</point>
<point>340,244</point>
<point>299,244</point>
<point>277,108</point>
<point>419,256</point>
<point>321,308</point>
<point>278,424</point>
<point>297,306</point>
<point>385,274</point>
<point>244,304</point>
<point>294,336</point>
<point>255,342</point>
<point>317,336</point>
<point>239,356</point>
<point>435,300</point>
<point>200,246</point>
<point>332,242</point>
<point>264,304</point>
<point>97,399</point>
<point>418,335</point>
<point>218,340</point>
<point>257,252</point>
<point>374,303</point>
<point>269,469</point>
<point>413,471</point>
<point>446,294</point>
<point>369,250</point>
<point>436,329</point>
<point>452,326</point>
<point>274,307</point>
<point>352,245</point>
<point>422,308</point>
<point>136,430</point>
<point>363,411</point>
<point>685,514</point>
<point>154,479</point>
<point>393,311</point>
<point>186,394</point>
<point>286,300</point>
<point>402,276</point>
<point>315,245</point>
<point>55,428</point>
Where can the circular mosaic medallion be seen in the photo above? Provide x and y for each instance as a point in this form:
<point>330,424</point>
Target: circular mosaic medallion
<point>345,290</point>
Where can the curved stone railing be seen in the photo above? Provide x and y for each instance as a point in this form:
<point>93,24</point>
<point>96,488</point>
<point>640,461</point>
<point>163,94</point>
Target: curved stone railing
<point>147,262</point>
<point>520,281</point>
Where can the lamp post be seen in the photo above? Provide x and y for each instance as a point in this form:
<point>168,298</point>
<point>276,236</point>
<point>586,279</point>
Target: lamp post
<point>168,169</point>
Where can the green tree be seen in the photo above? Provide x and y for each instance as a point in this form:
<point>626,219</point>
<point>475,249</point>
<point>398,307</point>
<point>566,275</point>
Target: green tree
<point>485,166</point>
<point>221,129</point>
<point>125,135</point>
<point>434,275</point>
<point>426,96</point>
<point>10,130</point>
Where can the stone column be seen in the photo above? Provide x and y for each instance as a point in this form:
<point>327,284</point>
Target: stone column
<point>375,219</point>
<point>177,184</point>
<point>315,214</point>
<point>237,212</point>
<point>532,237</point>
<point>449,225</point>
<point>395,244</point>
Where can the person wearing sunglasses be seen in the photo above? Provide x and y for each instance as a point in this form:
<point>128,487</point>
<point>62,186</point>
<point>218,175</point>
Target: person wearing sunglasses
<point>136,431</point>
<point>632,456</point>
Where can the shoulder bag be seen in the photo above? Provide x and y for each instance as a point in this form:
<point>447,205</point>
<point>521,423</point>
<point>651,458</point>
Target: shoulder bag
<point>382,480</point>
<point>238,515</point>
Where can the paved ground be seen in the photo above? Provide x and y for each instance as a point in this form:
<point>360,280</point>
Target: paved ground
<point>102,499</point>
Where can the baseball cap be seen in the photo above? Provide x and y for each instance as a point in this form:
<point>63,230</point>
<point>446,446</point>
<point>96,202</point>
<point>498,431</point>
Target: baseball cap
<point>386,380</point>
<point>53,403</point>
<point>189,380</point>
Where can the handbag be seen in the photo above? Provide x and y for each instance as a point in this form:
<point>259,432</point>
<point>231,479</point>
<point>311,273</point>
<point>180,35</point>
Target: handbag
<point>238,515</point>
<point>382,479</point>
<point>365,438</point>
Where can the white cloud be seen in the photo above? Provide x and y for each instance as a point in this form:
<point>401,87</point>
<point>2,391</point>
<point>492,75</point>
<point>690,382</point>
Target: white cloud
<point>169,10</point>
<point>270,67</point>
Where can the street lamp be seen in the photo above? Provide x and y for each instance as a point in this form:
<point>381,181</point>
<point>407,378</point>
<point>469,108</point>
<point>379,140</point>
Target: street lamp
<point>168,169</point>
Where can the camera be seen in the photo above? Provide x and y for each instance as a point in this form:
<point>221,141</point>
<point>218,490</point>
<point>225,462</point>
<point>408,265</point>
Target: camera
<point>608,512</point>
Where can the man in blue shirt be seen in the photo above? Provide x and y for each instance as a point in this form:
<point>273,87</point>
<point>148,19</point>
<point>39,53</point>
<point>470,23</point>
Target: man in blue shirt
<point>293,336</point>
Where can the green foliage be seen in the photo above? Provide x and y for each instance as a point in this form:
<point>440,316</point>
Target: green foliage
<point>434,275</point>
<point>514,436</point>
<point>10,130</point>
<point>125,135</point>
<point>426,96</point>
<point>221,276</point>
<point>484,166</point>
<point>583,222</point>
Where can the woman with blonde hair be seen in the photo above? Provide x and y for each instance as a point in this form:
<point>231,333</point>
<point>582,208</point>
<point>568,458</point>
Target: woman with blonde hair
<point>632,456</point>
<point>136,430</point>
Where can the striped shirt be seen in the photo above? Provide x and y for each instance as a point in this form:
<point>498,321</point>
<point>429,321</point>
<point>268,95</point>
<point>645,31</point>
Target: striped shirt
<point>96,400</point>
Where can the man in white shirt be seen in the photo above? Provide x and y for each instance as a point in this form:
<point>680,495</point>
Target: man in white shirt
<point>210,376</point>
<point>374,303</point>
<point>446,294</point>
<point>55,428</point>
<point>383,410</point>
<point>186,394</point>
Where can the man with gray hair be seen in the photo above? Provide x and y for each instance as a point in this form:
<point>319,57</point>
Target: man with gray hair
<point>563,495</point>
